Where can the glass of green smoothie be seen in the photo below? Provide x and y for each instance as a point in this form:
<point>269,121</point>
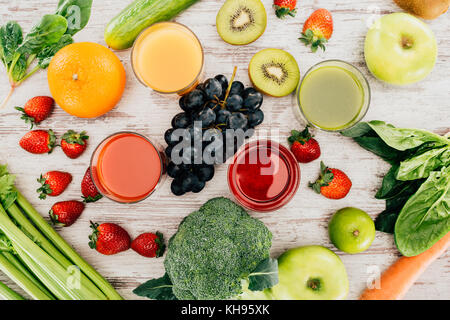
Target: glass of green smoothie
<point>333,96</point>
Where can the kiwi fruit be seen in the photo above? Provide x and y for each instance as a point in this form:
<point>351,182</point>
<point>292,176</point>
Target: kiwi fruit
<point>426,9</point>
<point>241,22</point>
<point>274,72</point>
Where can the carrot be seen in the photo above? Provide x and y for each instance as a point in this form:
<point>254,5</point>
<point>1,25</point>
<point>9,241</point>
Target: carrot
<point>400,276</point>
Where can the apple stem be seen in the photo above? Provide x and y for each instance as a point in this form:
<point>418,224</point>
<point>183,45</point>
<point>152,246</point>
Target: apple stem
<point>356,233</point>
<point>313,284</point>
<point>407,42</point>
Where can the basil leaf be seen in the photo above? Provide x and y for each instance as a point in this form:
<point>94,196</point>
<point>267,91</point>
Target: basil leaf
<point>77,13</point>
<point>45,56</point>
<point>421,165</point>
<point>157,289</point>
<point>49,30</point>
<point>425,218</point>
<point>10,39</point>
<point>404,139</point>
<point>264,276</point>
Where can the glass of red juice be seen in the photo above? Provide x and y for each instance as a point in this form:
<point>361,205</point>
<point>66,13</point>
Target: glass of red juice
<point>264,176</point>
<point>127,167</point>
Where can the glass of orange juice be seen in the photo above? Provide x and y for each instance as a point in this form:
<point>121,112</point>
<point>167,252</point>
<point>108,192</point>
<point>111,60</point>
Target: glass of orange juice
<point>168,57</point>
<point>127,167</point>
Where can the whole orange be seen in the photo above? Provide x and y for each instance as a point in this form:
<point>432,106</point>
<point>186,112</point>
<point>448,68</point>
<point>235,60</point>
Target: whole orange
<point>86,79</point>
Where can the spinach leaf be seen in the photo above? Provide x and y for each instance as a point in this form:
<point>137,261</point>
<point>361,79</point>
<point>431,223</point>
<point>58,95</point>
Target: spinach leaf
<point>49,30</point>
<point>358,130</point>
<point>157,289</point>
<point>45,56</point>
<point>379,147</point>
<point>10,39</point>
<point>264,276</point>
<point>421,165</point>
<point>18,68</point>
<point>77,13</point>
<point>403,139</point>
<point>425,218</point>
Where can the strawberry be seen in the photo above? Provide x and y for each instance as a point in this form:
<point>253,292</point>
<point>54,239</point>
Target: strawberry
<point>38,141</point>
<point>149,245</point>
<point>332,183</point>
<point>304,147</point>
<point>65,213</point>
<point>73,144</point>
<point>317,29</point>
<point>109,238</point>
<point>36,109</point>
<point>88,189</point>
<point>53,183</point>
<point>284,8</point>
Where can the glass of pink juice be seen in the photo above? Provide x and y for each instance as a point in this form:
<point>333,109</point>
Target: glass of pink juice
<point>127,167</point>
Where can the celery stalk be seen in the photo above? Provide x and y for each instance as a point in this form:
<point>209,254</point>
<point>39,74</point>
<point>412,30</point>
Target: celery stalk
<point>21,280</point>
<point>53,275</point>
<point>19,266</point>
<point>66,249</point>
<point>43,242</point>
<point>8,294</point>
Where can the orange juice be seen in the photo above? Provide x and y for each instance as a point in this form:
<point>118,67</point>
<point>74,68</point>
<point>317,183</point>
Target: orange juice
<point>167,57</point>
<point>126,167</point>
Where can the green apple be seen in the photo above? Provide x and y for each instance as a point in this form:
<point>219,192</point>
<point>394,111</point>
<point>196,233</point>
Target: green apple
<point>351,230</point>
<point>310,273</point>
<point>400,49</point>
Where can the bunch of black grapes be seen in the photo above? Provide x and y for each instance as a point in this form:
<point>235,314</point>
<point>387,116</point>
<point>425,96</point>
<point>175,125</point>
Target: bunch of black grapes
<point>218,106</point>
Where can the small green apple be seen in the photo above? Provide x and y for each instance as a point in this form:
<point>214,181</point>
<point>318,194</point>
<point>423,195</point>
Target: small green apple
<point>351,230</point>
<point>310,273</point>
<point>400,49</point>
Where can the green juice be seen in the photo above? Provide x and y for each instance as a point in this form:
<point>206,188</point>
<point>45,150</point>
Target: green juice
<point>331,97</point>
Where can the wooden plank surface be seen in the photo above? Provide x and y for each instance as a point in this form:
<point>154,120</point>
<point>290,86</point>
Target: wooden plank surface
<point>304,220</point>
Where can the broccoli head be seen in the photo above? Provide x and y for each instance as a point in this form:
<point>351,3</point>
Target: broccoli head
<point>214,249</point>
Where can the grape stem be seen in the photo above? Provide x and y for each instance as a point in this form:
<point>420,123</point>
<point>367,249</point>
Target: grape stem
<point>224,101</point>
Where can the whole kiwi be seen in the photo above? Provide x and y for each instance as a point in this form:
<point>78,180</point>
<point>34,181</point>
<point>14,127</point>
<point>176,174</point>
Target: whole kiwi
<point>426,9</point>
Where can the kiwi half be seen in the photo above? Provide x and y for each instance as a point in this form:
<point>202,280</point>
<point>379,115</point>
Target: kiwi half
<point>274,72</point>
<point>241,21</point>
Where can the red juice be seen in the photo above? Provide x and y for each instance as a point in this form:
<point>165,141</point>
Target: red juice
<point>264,176</point>
<point>127,167</point>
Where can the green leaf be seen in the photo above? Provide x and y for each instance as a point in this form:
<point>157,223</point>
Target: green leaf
<point>358,130</point>
<point>10,39</point>
<point>49,31</point>
<point>425,217</point>
<point>377,146</point>
<point>19,70</point>
<point>77,13</point>
<point>264,276</point>
<point>157,289</point>
<point>404,139</point>
<point>7,193</point>
<point>421,165</point>
<point>45,56</point>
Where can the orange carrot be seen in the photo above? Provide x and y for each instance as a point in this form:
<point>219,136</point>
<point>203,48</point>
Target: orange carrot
<point>400,276</point>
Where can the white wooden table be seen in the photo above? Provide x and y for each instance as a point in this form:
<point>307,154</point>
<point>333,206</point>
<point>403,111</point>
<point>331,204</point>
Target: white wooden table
<point>304,220</point>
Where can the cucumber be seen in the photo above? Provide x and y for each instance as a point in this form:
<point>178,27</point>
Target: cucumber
<point>124,28</point>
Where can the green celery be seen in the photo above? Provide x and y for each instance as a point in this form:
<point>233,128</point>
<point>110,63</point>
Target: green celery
<point>8,294</point>
<point>43,242</point>
<point>53,275</point>
<point>66,249</point>
<point>21,280</point>
<point>19,266</point>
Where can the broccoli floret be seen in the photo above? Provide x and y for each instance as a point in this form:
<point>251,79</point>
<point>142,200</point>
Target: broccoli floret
<point>214,249</point>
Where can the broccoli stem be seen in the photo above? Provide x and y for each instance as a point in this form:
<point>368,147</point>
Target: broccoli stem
<point>37,237</point>
<point>65,248</point>
<point>8,294</point>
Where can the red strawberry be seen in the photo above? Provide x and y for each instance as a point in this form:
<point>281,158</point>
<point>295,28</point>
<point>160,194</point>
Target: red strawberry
<point>317,29</point>
<point>149,245</point>
<point>65,213</point>
<point>38,141</point>
<point>37,109</point>
<point>53,183</point>
<point>73,144</point>
<point>109,238</point>
<point>284,8</point>
<point>304,146</point>
<point>88,189</point>
<point>332,183</point>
